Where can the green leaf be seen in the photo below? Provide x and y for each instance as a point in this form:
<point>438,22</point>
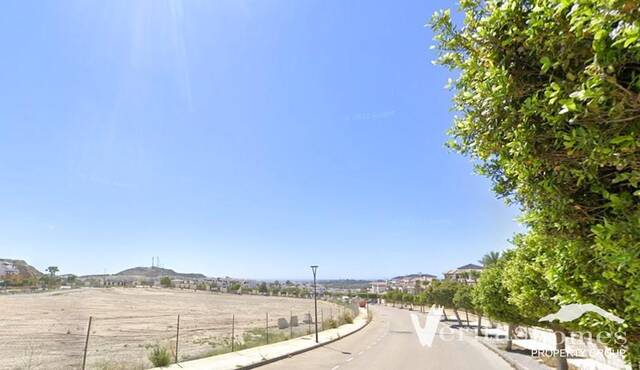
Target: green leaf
<point>546,63</point>
<point>622,139</point>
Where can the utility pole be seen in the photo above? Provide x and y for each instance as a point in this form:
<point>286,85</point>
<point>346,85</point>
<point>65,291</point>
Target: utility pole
<point>314,268</point>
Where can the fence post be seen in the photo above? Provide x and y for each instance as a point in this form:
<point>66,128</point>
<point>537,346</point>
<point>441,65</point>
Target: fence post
<point>290,326</point>
<point>177,337</point>
<point>86,344</point>
<point>267,327</point>
<point>233,329</point>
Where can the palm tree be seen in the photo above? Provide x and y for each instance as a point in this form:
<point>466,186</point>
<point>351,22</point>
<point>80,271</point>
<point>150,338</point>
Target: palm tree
<point>52,270</point>
<point>490,258</point>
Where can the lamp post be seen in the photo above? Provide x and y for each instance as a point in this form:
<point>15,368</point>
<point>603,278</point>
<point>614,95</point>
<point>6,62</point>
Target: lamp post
<point>314,268</point>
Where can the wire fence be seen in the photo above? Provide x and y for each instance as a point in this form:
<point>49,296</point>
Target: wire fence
<point>125,342</point>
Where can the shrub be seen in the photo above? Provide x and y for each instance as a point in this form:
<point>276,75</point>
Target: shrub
<point>345,318</point>
<point>166,282</point>
<point>160,356</point>
<point>115,365</point>
<point>330,324</point>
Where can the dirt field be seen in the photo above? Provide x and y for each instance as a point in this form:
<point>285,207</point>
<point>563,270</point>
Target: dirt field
<point>47,330</point>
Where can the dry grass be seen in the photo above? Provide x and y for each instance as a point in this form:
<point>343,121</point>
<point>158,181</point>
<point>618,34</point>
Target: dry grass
<point>47,330</point>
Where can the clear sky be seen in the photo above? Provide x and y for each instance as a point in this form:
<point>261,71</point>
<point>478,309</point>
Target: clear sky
<point>241,138</point>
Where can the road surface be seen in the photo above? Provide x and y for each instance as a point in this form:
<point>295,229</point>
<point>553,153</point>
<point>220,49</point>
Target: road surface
<point>389,342</point>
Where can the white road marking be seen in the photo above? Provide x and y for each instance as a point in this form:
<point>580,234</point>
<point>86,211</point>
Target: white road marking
<point>349,359</point>
<point>335,367</point>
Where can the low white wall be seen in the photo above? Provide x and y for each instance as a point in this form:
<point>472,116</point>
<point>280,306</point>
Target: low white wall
<point>574,344</point>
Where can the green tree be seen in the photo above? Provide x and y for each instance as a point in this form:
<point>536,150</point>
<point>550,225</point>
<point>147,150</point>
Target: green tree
<point>393,297</point>
<point>262,288</point>
<point>51,280</point>
<point>492,297</point>
<point>72,279</point>
<point>463,298</point>
<point>421,300</point>
<point>548,95</point>
<point>45,280</point>
<point>293,291</point>
<point>303,292</point>
<point>443,293</point>
<point>235,287</point>
<point>478,309</point>
<point>52,270</point>
<point>408,299</point>
<point>165,282</point>
<point>490,258</point>
<point>530,292</point>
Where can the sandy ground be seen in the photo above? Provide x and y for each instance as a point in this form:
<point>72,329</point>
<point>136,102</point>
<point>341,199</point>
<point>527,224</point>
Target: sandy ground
<point>47,330</point>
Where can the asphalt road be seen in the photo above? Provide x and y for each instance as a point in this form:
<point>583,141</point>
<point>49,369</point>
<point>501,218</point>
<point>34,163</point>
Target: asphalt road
<point>389,342</point>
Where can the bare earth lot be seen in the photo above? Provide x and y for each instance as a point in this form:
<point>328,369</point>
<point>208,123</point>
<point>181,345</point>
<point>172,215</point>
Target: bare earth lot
<point>47,330</point>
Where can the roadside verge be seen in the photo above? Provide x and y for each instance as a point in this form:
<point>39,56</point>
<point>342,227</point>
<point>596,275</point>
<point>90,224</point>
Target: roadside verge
<point>258,356</point>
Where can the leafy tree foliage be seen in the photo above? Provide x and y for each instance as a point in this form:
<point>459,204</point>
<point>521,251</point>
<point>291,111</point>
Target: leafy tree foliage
<point>530,292</point>
<point>443,293</point>
<point>463,298</point>
<point>262,288</point>
<point>165,282</point>
<point>52,270</point>
<point>490,258</point>
<point>491,296</point>
<point>549,102</point>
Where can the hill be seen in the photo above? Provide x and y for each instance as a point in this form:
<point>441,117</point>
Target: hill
<point>158,272</point>
<point>18,269</point>
<point>413,276</point>
<point>345,283</point>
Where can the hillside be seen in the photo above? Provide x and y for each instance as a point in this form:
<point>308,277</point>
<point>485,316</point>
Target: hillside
<point>345,283</point>
<point>157,272</point>
<point>412,276</point>
<point>18,269</point>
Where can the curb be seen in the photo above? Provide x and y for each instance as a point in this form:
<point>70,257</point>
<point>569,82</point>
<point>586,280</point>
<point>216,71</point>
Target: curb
<point>282,357</point>
<point>514,364</point>
<point>507,359</point>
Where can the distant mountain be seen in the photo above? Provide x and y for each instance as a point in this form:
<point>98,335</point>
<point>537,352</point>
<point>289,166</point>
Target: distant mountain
<point>345,283</point>
<point>412,276</point>
<point>18,269</point>
<point>157,272</point>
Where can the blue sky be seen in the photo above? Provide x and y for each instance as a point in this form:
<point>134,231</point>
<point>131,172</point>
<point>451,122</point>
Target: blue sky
<point>241,138</point>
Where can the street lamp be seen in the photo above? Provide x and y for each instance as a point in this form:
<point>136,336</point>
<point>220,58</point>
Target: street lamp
<point>314,268</point>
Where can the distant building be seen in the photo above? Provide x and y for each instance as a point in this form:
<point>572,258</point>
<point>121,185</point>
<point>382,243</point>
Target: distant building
<point>466,274</point>
<point>378,287</point>
<point>419,278</point>
<point>250,284</point>
<point>113,281</point>
<point>8,268</point>
<point>412,284</point>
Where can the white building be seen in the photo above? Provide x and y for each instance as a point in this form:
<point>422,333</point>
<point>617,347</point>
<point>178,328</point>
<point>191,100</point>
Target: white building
<point>378,287</point>
<point>466,274</point>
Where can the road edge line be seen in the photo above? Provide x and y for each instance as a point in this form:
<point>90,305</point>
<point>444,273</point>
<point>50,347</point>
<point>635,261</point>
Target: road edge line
<point>297,352</point>
<point>508,360</point>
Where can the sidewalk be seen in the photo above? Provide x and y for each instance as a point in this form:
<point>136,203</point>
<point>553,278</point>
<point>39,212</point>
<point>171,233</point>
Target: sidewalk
<point>253,357</point>
<point>517,358</point>
<point>520,358</point>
